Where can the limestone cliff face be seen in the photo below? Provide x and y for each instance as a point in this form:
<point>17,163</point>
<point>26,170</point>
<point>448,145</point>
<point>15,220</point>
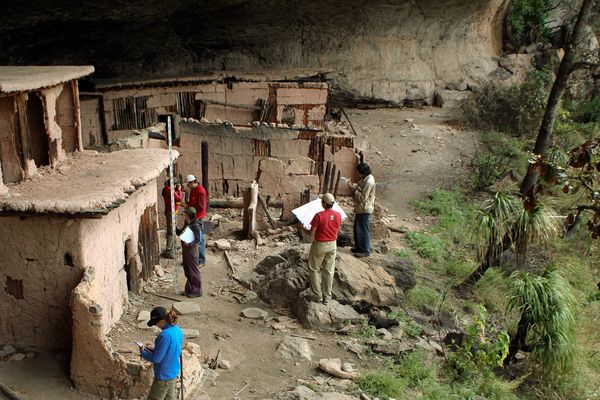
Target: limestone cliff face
<point>374,48</point>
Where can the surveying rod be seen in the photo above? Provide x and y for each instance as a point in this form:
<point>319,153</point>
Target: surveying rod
<point>172,193</point>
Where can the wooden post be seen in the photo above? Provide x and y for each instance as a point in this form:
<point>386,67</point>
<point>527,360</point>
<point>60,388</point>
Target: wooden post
<point>326,177</point>
<point>250,198</point>
<point>331,179</point>
<point>205,167</point>
<point>337,183</point>
<point>266,210</point>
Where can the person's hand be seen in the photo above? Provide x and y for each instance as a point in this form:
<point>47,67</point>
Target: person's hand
<point>149,346</point>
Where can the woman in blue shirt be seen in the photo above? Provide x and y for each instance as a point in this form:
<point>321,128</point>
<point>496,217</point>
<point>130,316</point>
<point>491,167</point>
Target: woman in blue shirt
<point>165,355</point>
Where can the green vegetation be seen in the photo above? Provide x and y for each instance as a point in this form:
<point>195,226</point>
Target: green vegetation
<point>516,110</point>
<point>416,376</point>
<point>529,20</point>
<point>409,326</point>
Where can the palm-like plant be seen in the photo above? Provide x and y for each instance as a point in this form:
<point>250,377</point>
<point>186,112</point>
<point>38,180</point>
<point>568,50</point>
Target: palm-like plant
<point>547,306</point>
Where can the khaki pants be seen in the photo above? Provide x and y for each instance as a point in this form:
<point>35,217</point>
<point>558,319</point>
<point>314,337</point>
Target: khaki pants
<point>321,266</point>
<point>163,390</point>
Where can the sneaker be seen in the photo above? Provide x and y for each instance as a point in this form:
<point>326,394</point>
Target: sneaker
<point>327,300</point>
<point>354,250</point>
<point>361,255</point>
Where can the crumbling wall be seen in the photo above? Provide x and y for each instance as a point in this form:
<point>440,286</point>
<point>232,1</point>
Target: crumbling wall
<point>101,297</point>
<point>240,103</point>
<point>12,170</point>
<point>41,263</point>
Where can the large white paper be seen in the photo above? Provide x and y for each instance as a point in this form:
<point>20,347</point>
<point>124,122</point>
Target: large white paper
<point>187,235</point>
<point>306,213</point>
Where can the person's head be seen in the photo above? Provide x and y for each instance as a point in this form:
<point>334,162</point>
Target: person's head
<point>327,200</point>
<point>175,182</point>
<point>363,169</point>
<point>190,214</point>
<point>159,316</point>
<point>191,181</point>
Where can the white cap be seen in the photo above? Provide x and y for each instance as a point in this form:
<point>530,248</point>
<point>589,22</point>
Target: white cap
<point>328,199</point>
<point>190,178</point>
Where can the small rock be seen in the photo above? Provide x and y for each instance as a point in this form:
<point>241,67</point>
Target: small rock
<point>223,244</point>
<point>254,313</point>
<point>282,318</point>
<point>409,120</point>
<point>186,307</point>
<point>144,316</point>
<point>279,326</point>
<point>7,350</point>
<point>385,334</point>
<point>378,152</point>
<point>424,344</point>
<point>216,217</point>
<point>294,348</point>
<point>392,348</point>
<point>190,333</point>
<point>224,364</point>
<point>159,270</point>
<point>18,357</point>
<point>144,325</point>
<point>435,115</point>
<point>397,332</point>
<point>250,295</point>
<point>436,346</point>
<point>415,128</point>
<point>347,367</point>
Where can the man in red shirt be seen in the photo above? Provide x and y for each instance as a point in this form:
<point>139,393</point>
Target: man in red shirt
<point>177,195</point>
<point>325,226</point>
<point>198,200</point>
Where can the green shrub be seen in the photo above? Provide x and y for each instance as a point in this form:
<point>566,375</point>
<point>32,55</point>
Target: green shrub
<point>516,110</point>
<point>427,246</point>
<point>487,169</point>
<point>528,20</point>
<point>591,111</point>
<point>410,327</point>
<point>420,296</point>
<point>383,384</point>
<point>481,351</point>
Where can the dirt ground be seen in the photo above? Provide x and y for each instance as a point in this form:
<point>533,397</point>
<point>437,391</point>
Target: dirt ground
<point>407,163</point>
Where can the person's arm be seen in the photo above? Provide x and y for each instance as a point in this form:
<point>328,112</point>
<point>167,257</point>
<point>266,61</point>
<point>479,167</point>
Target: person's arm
<point>177,196</point>
<point>201,206</point>
<point>313,226</point>
<point>160,349</point>
<point>197,234</point>
<point>362,194</point>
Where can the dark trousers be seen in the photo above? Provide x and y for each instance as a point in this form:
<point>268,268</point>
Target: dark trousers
<point>362,233</point>
<point>191,269</point>
<point>202,248</point>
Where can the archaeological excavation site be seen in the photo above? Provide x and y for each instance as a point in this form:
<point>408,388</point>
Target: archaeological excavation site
<point>299,200</point>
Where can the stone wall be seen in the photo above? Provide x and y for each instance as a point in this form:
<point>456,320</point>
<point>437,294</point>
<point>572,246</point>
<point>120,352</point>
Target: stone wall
<point>42,262</point>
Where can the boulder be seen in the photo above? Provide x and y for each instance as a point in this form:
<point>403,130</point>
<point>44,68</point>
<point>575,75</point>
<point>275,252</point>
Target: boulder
<point>282,278</point>
<point>393,348</point>
<point>223,244</point>
<point>294,348</point>
<point>326,317</point>
<point>190,333</point>
<point>401,270</point>
<point>451,98</point>
<point>8,350</point>
<point>144,316</point>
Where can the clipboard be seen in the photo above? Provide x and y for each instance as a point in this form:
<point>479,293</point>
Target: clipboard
<point>187,235</point>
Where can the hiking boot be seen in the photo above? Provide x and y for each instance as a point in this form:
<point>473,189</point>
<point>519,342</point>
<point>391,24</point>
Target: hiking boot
<point>193,295</point>
<point>361,255</point>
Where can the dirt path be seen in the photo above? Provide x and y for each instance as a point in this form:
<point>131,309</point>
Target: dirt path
<point>410,163</point>
<point>407,163</point>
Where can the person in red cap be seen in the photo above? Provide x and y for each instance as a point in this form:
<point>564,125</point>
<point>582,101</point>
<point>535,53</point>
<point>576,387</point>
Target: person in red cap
<point>198,200</point>
<point>177,195</point>
<point>325,226</point>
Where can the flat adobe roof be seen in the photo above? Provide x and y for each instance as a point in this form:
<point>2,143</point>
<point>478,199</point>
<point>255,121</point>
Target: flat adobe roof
<point>88,183</point>
<point>26,78</point>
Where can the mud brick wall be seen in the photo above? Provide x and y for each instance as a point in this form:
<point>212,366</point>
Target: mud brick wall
<point>294,103</point>
<point>41,263</point>
<point>37,128</point>
<point>99,300</point>
<point>91,127</point>
<point>283,161</point>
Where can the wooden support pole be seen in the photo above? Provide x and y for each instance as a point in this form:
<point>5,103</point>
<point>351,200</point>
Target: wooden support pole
<point>239,203</point>
<point>326,177</point>
<point>263,204</point>
<point>204,149</point>
<point>337,183</point>
<point>332,178</point>
<point>251,199</point>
